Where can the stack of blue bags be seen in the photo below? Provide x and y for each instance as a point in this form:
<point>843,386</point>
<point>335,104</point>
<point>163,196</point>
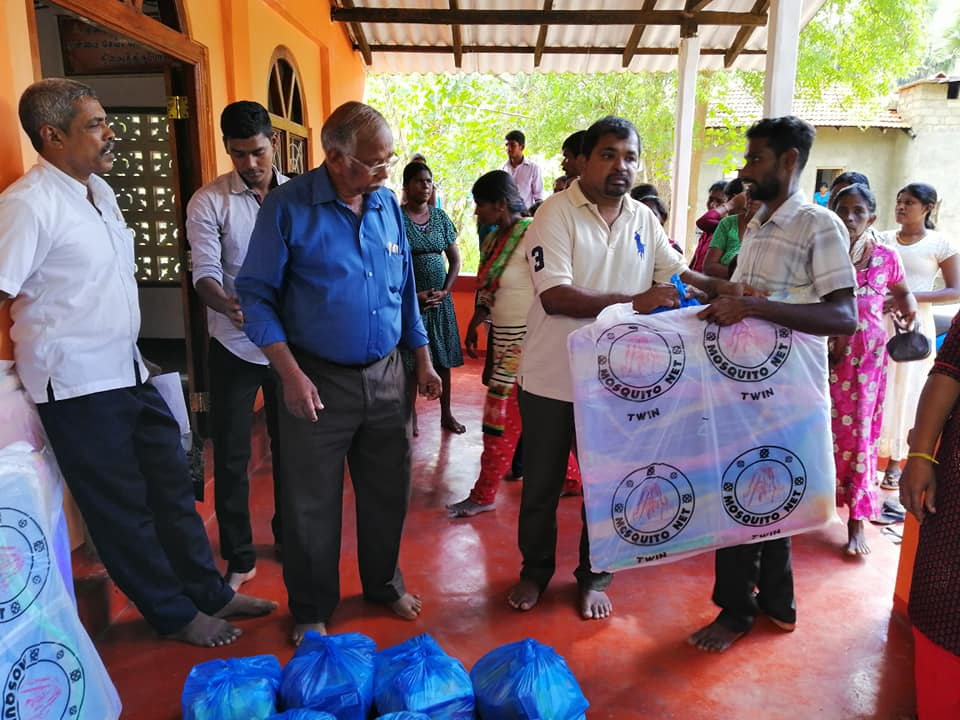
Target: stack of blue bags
<point>343,677</point>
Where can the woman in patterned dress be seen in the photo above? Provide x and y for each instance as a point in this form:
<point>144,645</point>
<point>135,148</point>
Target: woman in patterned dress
<point>925,254</point>
<point>431,235</point>
<point>859,363</point>
<point>930,489</point>
<point>504,294</point>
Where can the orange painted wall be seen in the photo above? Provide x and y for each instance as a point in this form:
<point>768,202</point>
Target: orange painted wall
<point>242,36</point>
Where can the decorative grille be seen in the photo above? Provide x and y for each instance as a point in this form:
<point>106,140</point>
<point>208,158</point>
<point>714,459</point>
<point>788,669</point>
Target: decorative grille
<point>142,178</point>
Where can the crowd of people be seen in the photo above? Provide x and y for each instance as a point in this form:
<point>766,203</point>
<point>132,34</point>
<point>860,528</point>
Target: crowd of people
<point>335,298</point>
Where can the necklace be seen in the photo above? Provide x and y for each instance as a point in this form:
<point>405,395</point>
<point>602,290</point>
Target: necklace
<point>902,235</point>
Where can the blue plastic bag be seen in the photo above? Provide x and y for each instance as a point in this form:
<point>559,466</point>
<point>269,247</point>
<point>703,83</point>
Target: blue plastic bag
<point>303,714</point>
<point>234,689</point>
<point>332,673</point>
<point>417,675</point>
<point>681,287</point>
<point>526,680</point>
<point>404,715</point>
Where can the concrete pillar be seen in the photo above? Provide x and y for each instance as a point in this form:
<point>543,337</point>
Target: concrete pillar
<point>689,62</point>
<point>783,38</point>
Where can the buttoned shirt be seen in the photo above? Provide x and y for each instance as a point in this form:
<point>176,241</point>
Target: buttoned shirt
<point>528,179</point>
<point>69,264</point>
<point>220,218</point>
<point>569,243</point>
<point>800,254</point>
<point>320,278</point>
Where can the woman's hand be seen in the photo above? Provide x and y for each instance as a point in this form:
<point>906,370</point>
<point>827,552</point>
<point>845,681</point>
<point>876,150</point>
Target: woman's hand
<point>837,348</point>
<point>918,487</point>
<point>470,342</point>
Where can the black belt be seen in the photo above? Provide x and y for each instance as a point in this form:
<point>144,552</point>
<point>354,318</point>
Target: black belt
<point>346,366</point>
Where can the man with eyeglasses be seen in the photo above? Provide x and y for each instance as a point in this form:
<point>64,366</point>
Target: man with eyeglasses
<point>328,295</point>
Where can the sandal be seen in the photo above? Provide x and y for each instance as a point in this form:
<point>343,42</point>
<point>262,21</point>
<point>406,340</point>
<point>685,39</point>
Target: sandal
<point>891,478</point>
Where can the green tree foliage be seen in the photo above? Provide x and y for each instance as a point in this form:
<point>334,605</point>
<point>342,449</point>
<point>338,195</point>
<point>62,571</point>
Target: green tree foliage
<point>858,48</point>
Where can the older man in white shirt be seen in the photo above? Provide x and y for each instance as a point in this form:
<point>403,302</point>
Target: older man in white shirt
<point>66,259</point>
<point>220,218</point>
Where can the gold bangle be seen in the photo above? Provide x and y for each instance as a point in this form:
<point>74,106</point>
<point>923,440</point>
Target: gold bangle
<point>925,456</point>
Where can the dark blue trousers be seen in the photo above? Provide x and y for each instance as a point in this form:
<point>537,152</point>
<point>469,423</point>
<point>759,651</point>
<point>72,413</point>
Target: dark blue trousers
<point>120,453</point>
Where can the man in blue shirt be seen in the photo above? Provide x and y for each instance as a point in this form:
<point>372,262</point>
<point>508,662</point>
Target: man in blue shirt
<point>328,294</point>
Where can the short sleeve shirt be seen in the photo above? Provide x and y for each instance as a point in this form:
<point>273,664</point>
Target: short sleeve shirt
<point>800,254</point>
<point>569,243</point>
<point>68,263</point>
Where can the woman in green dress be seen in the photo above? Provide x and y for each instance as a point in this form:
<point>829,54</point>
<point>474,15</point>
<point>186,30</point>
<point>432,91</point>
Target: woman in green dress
<point>432,235</point>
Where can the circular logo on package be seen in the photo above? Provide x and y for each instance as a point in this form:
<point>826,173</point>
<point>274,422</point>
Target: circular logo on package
<point>763,486</point>
<point>639,370</point>
<point>652,504</point>
<point>24,562</point>
<point>747,352</point>
<point>45,683</point>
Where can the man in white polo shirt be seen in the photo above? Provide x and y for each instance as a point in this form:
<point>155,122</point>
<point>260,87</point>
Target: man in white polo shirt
<point>589,247</point>
<point>220,218</point>
<point>66,259</point>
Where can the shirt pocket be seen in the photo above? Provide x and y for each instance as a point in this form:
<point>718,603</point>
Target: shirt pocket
<point>395,267</point>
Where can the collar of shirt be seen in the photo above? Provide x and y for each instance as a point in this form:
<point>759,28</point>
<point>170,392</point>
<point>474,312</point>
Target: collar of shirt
<point>323,191</point>
<point>95,187</point>
<point>628,206</point>
<point>784,214</point>
<point>239,187</point>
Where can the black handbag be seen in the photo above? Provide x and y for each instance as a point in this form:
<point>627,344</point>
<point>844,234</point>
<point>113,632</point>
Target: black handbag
<point>908,345</point>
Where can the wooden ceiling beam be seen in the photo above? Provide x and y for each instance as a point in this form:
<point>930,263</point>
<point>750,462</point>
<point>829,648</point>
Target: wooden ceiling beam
<point>531,49</point>
<point>457,40</point>
<point>361,39</point>
<point>542,35</point>
<point>694,6</point>
<point>539,17</point>
<point>743,35</point>
<point>636,35</point>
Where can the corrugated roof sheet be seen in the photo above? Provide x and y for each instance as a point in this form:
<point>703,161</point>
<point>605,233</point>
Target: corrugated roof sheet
<point>581,48</point>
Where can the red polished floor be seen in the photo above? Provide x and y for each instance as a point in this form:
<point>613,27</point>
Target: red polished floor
<point>848,658</point>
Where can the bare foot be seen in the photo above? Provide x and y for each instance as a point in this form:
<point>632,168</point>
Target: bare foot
<point>467,508</point>
<point>524,595</point>
<point>715,637</point>
<point>450,423</point>
<point>235,579</point>
<point>856,540</point>
<point>595,605</point>
<point>246,606</point>
<point>206,631</point>
<point>407,606</point>
<point>300,631</point>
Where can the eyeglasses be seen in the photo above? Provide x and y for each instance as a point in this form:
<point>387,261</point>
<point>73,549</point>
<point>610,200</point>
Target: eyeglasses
<point>379,167</point>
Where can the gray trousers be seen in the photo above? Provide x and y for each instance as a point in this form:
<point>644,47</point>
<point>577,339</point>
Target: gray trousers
<point>548,433</point>
<point>364,421</point>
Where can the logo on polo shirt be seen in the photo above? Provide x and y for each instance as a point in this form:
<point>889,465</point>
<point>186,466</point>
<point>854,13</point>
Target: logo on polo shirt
<point>47,681</point>
<point>747,352</point>
<point>652,505</point>
<point>763,485</point>
<point>639,363</point>
<point>24,562</point>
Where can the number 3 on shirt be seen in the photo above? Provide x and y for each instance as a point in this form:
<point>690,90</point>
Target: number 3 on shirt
<point>537,255</point>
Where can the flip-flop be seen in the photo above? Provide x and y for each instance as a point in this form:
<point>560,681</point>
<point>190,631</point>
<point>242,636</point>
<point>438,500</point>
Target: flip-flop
<point>895,534</point>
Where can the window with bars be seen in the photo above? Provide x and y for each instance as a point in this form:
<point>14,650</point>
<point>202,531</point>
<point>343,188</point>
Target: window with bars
<point>142,178</point>
<point>285,104</point>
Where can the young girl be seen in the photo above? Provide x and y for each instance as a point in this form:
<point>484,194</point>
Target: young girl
<point>858,375</point>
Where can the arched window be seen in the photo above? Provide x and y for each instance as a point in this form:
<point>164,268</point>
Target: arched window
<point>285,103</point>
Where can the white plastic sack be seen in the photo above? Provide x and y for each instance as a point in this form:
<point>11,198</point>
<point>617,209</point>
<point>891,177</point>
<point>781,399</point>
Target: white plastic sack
<point>693,437</point>
<point>48,665</point>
